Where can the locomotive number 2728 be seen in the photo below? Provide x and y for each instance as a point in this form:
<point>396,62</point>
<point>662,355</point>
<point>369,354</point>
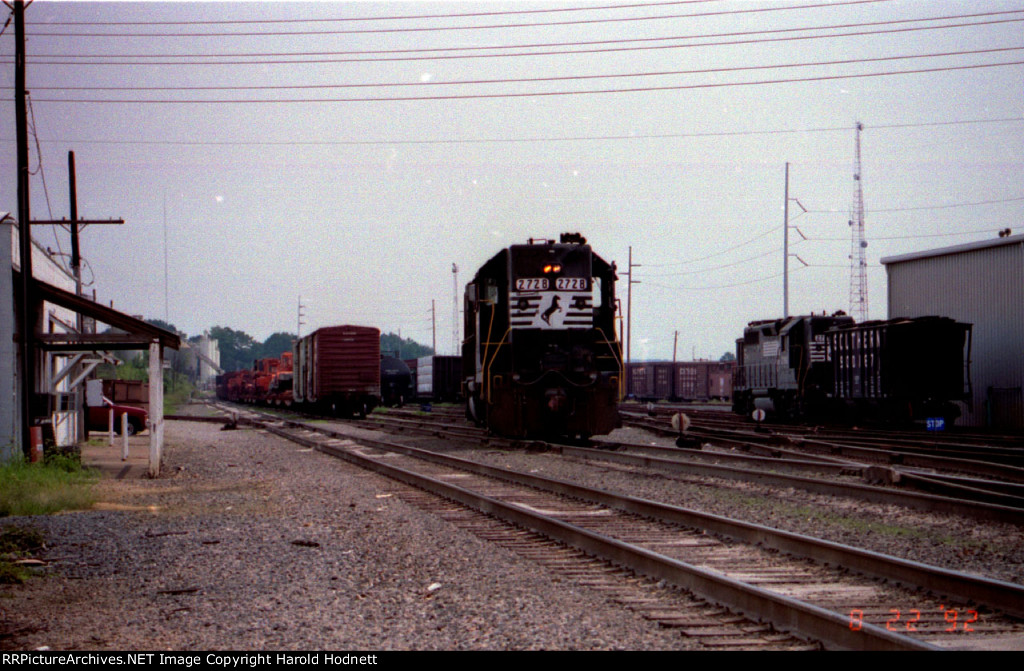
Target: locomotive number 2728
<point>531,284</point>
<point>572,284</point>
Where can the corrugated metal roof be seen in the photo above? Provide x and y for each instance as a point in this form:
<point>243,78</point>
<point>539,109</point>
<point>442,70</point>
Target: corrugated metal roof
<point>957,249</point>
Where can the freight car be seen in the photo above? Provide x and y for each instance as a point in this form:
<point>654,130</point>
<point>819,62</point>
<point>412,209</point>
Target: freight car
<point>395,381</point>
<point>439,378</point>
<point>828,367</point>
<point>540,356</point>
<point>681,380</point>
<point>337,370</point>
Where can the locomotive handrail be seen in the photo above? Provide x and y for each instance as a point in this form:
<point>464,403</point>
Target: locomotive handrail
<point>618,360</point>
<point>487,366</point>
<point>487,344</point>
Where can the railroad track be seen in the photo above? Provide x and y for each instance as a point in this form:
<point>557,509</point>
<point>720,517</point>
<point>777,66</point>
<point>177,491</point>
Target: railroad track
<point>983,498</point>
<point>901,444</point>
<point>670,544</point>
<point>987,500</point>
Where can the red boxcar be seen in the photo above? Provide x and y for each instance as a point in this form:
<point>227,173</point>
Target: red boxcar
<point>337,369</point>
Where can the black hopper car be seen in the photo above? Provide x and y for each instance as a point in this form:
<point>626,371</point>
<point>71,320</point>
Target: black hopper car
<point>540,356</point>
<point>822,367</point>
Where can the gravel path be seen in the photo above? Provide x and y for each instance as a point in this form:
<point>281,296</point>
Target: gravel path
<point>250,543</point>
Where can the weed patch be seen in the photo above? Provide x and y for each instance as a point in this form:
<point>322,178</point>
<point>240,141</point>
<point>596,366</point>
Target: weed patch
<point>17,542</point>
<point>59,483</point>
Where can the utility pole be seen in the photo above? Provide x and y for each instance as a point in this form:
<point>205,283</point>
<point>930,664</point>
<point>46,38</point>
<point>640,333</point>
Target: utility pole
<point>76,257</point>
<point>167,304</point>
<point>27,375</point>
<point>455,309</point>
<point>298,321</point>
<point>433,324</point>
<point>785,244</point>
<point>629,318</point>
<point>785,248</point>
<point>76,269</point>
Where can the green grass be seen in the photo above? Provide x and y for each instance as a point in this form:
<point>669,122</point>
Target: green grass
<point>59,483</point>
<point>17,542</point>
<point>177,397</point>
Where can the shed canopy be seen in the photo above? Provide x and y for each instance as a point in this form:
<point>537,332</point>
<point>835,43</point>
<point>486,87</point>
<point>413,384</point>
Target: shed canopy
<point>137,334</point>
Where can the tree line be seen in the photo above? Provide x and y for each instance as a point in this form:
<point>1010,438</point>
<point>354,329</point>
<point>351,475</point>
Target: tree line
<point>239,350</point>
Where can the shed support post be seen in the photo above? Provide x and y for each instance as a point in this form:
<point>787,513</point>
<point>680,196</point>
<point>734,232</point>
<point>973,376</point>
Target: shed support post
<point>156,407</point>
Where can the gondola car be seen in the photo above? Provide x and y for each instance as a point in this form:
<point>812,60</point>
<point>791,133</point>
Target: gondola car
<point>540,356</point>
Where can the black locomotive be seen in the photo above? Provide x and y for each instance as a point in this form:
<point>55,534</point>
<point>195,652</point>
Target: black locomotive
<point>540,356</point>
<point>828,367</point>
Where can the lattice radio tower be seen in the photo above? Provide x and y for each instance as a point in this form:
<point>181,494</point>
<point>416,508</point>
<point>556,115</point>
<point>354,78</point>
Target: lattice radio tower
<point>858,245</point>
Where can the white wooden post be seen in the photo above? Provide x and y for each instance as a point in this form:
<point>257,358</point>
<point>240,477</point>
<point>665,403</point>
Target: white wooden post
<point>110,424</point>
<point>156,407</point>
<point>124,435</point>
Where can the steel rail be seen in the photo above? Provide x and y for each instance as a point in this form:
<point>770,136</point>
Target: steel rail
<point>812,463</point>
<point>1010,494</point>
<point>1000,595</point>
<point>928,502</point>
<point>783,612</point>
<point>978,467</point>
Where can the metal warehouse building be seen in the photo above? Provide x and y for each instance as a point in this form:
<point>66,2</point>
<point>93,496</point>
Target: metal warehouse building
<point>981,283</point>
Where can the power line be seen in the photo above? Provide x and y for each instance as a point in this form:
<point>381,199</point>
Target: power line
<point>300,58</point>
<point>930,207</point>
<point>711,256</point>
<point>757,10</point>
<point>714,268</point>
<point>529,80</point>
<point>371,18</point>
<point>723,286</point>
<point>914,236</point>
<point>480,96</point>
<point>574,138</point>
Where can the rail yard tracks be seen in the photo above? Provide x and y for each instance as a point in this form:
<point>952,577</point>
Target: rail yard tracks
<point>819,591</point>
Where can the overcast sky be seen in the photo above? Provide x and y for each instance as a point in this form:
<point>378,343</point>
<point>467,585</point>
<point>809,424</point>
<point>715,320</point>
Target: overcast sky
<point>351,152</point>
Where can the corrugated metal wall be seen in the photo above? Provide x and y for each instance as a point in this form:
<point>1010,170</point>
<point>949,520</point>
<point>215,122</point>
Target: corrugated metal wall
<point>986,288</point>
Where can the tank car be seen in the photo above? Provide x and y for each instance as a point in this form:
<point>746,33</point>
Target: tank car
<point>540,356</point>
<point>395,381</point>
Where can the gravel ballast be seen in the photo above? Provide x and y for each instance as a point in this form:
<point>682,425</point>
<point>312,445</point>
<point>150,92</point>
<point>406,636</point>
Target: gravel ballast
<point>247,542</point>
<point>990,549</point>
